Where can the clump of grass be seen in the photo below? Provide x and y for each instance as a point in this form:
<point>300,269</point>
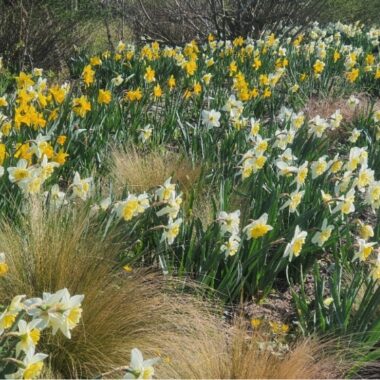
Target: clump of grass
<point>239,355</point>
<point>143,171</point>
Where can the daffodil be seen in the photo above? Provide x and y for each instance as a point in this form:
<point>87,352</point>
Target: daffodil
<point>9,315</point>
<point>365,230</point>
<point>3,264</point>
<point>81,187</point>
<point>104,96</point>
<point>364,249</point>
<point>318,126</point>
<point>323,235</point>
<point>132,206</point>
<point>140,368</point>
<point>145,133</point>
<point>318,167</point>
<point>88,75</point>
<point>173,207</point>
<point>364,178</point>
<point>31,367</point>
<point>19,173</point>
<point>345,204</point>
<point>59,310</point>
<point>258,228</point>
<point>210,119</point>
<point>150,75</point>
<point>229,222</point>
<point>117,81</point>
<point>28,335</point>
<point>294,201</point>
<point>294,248</point>
<point>81,106</point>
<point>165,192</point>
<point>375,273</point>
<point>372,196</point>
<point>231,247</point>
<point>171,231</point>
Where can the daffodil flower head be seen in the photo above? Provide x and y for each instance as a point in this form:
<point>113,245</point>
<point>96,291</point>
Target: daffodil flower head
<point>294,248</point>
<point>229,222</point>
<point>258,228</point>
<point>140,368</point>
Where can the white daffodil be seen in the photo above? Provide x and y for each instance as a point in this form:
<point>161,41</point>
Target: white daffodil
<point>365,230</point>
<point>372,196</point>
<point>364,250</point>
<point>296,244</point>
<point>59,311</point>
<point>8,316</point>
<point>375,273</point>
<point>117,81</point>
<point>19,173</point>
<point>231,246</point>
<point>140,368</point>
<point>318,126</point>
<point>323,235</point>
<point>165,192</point>
<point>336,119</point>
<point>255,127</point>
<point>39,145</point>
<point>28,334</point>
<point>57,197</point>
<point>301,174</point>
<point>353,102</point>
<point>81,187</point>
<point>318,167</point>
<point>357,156</point>
<point>258,228</point>
<point>173,207</point>
<point>171,231</point>
<point>105,203</point>
<point>229,222</point>
<point>31,366</point>
<point>132,206</point>
<point>261,145</point>
<point>3,264</point>
<point>293,201</point>
<point>364,178</point>
<point>210,119</point>
<point>47,168</point>
<point>345,204</point>
<point>146,133</point>
<point>285,169</point>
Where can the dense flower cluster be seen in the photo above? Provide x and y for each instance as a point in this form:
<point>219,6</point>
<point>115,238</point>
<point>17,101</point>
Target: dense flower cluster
<point>21,325</point>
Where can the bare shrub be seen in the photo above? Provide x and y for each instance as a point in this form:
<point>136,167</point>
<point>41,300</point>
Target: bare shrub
<point>176,22</point>
<point>39,33</point>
